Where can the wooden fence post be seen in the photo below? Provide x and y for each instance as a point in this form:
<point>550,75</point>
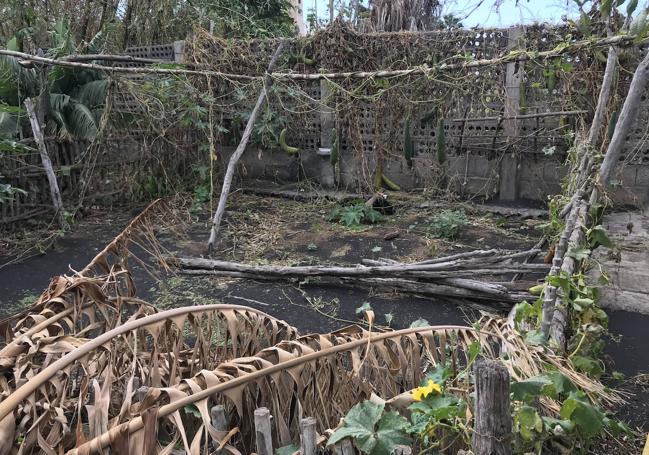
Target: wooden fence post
<point>493,422</point>
<point>263,433</point>
<point>308,436</point>
<point>509,164</point>
<point>55,193</point>
<point>219,420</point>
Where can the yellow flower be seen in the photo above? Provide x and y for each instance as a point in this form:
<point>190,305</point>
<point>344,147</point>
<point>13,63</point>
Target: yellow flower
<point>422,392</point>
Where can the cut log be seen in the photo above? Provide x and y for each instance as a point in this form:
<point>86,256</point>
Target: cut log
<point>450,269</point>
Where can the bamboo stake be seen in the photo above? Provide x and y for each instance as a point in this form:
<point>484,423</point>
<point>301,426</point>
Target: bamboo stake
<point>55,193</point>
<point>234,159</point>
<point>308,436</point>
<point>628,116</point>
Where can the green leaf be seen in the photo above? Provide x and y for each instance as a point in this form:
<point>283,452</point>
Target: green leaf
<point>531,388</point>
<point>528,422</point>
<point>363,308</point>
<point>421,322</point>
<point>287,450</point>
<point>581,303</point>
<point>388,318</point>
<point>12,45</point>
<point>579,253</point>
<point>391,433</point>
<point>377,249</point>
<point>597,236</point>
<point>587,365</point>
<point>588,419</point>
<point>374,433</point>
<point>359,424</point>
<point>535,338</point>
<point>551,423</point>
<point>439,374</point>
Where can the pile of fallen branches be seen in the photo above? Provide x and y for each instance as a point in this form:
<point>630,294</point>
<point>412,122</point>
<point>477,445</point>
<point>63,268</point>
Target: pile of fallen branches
<point>450,276</point>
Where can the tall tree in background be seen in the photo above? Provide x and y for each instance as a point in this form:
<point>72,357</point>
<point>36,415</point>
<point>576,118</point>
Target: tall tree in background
<point>398,15</point>
<point>144,22</point>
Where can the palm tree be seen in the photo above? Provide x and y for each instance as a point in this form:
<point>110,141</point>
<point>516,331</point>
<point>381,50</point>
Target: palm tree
<point>71,100</point>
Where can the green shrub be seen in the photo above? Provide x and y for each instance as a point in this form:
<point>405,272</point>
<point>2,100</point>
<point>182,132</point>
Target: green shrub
<point>445,225</point>
<point>354,215</point>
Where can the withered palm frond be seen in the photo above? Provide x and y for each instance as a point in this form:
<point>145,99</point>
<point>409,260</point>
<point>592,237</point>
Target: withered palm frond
<point>319,375</point>
<point>149,350</point>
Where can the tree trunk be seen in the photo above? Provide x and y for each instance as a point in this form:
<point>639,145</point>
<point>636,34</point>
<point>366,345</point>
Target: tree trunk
<point>47,163</point>
<point>493,422</point>
<point>234,159</point>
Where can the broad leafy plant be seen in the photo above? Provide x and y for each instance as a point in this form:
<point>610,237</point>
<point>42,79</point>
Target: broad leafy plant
<point>71,100</point>
<point>374,431</point>
<point>446,224</point>
<point>354,215</point>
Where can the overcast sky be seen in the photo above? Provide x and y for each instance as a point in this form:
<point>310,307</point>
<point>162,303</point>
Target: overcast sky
<point>484,12</point>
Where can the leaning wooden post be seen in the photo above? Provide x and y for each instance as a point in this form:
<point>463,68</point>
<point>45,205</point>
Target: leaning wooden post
<point>627,117</point>
<point>308,436</point>
<point>493,422</point>
<point>234,159</point>
<point>508,184</point>
<point>47,163</point>
<point>263,435</point>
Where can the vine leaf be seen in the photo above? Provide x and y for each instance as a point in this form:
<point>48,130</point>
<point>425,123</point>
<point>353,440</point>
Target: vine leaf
<point>598,236</point>
<point>374,432</point>
<point>579,253</point>
<point>588,419</point>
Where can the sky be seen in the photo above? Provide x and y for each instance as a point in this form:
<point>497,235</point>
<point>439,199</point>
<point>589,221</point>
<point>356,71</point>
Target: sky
<point>483,13</point>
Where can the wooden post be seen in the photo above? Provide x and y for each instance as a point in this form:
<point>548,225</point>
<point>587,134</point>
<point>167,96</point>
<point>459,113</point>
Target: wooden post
<point>219,417</point>
<point>493,422</point>
<point>234,159</point>
<point>510,161</point>
<point>308,436</point>
<point>326,116</point>
<point>344,447</point>
<point>47,163</point>
<point>219,421</point>
<point>263,433</point>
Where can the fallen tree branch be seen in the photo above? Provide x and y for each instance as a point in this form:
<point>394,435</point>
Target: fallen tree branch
<point>518,56</point>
